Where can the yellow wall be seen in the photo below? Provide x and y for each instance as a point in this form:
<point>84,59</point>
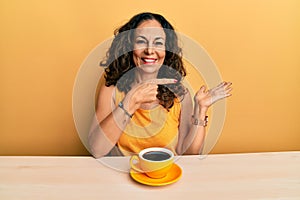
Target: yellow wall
<point>254,43</point>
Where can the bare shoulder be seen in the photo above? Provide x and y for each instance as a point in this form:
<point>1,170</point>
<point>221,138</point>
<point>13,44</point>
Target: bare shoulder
<point>106,94</point>
<point>106,89</point>
<point>105,101</point>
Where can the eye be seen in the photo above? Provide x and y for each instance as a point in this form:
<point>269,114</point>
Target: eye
<point>159,43</point>
<point>140,41</point>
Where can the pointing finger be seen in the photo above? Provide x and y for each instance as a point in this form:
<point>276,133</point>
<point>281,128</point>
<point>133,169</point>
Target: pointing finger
<point>162,81</point>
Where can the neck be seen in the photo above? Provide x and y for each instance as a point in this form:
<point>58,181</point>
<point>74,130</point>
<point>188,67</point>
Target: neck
<point>141,77</point>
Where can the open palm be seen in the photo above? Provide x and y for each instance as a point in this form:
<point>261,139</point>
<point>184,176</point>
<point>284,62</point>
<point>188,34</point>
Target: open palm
<point>205,98</point>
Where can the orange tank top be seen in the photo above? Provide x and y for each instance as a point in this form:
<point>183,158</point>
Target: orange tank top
<point>150,128</point>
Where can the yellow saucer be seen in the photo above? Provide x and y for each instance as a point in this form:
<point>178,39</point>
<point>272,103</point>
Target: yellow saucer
<point>173,176</point>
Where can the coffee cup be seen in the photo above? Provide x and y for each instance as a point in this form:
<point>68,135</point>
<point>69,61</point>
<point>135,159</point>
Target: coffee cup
<point>155,162</point>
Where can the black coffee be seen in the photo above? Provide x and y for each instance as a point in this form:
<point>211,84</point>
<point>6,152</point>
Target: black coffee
<point>156,155</point>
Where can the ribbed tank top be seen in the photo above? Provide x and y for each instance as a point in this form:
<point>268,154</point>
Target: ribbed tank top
<point>156,127</point>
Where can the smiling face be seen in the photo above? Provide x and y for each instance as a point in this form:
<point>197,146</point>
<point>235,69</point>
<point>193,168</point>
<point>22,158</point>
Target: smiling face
<point>149,46</point>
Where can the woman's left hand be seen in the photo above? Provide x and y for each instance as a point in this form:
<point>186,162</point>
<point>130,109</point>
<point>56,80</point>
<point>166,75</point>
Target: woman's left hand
<point>206,98</point>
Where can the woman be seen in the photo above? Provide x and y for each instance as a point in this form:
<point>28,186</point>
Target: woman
<point>143,102</point>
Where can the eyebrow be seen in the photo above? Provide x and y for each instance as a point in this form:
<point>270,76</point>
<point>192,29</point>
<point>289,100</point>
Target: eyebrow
<point>157,38</point>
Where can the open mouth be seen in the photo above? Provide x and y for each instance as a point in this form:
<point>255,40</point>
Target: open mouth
<point>149,61</point>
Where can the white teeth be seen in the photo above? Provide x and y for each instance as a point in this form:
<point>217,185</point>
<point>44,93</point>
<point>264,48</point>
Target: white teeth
<point>149,60</point>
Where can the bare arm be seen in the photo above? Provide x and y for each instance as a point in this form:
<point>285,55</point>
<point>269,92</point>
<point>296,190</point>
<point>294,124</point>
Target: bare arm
<point>191,137</point>
<point>107,125</point>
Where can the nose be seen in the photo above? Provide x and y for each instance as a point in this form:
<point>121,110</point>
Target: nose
<point>149,49</point>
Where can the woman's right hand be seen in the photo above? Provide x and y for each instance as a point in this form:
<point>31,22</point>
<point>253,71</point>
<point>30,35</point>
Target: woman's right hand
<point>144,92</point>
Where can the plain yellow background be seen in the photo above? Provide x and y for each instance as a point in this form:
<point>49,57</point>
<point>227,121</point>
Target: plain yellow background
<point>254,43</point>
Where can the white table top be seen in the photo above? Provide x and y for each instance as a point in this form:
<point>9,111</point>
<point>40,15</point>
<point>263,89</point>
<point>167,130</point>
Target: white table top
<point>223,176</point>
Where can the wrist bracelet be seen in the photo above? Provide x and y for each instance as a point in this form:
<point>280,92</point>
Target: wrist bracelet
<point>126,112</point>
<point>199,122</point>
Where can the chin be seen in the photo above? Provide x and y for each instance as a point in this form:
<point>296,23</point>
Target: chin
<point>150,68</point>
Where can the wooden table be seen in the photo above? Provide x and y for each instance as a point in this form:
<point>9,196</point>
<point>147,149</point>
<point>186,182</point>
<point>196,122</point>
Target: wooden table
<point>222,176</point>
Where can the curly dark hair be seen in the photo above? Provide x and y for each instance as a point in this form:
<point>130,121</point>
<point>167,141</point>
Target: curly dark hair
<point>119,60</point>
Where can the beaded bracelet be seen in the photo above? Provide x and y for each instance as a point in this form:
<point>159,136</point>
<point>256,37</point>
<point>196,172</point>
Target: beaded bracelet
<point>126,112</point>
<point>199,122</point>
